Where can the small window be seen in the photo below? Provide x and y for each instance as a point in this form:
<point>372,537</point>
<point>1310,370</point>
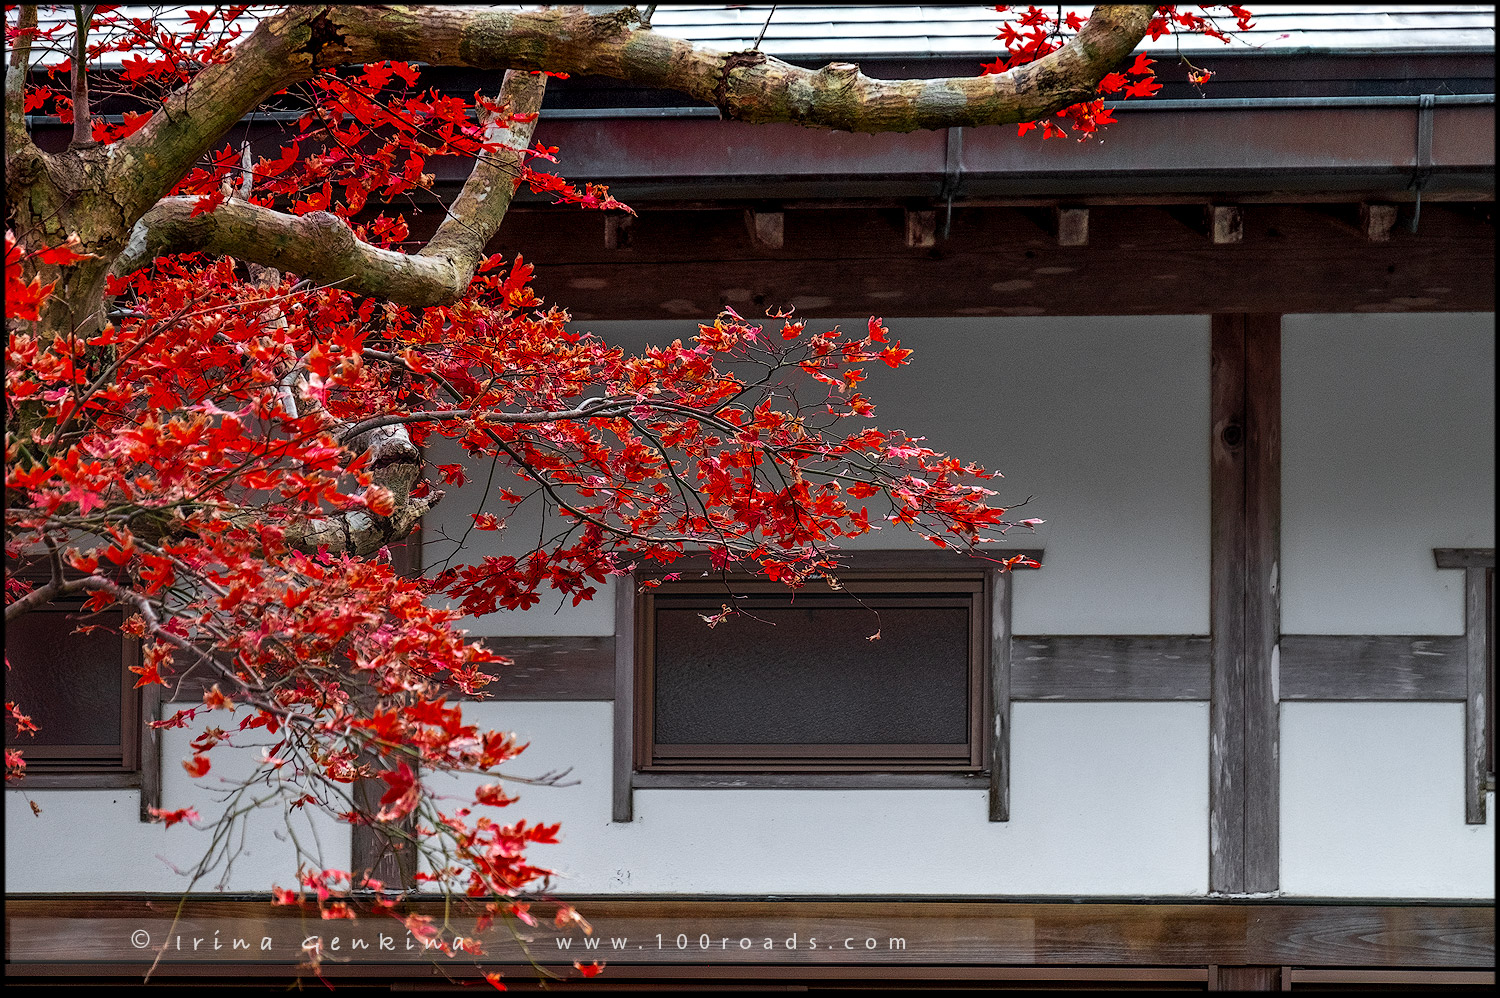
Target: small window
<point>886,674</point>
<point>78,690</point>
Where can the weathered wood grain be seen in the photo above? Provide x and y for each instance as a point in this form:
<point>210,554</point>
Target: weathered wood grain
<point>1227,544</point>
<point>1111,668</point>
<point>1072,226</point>
<point>623,741</point>
<point>1000,665</point>
<point>1262,457</point>
<point>48,936</point>
<point>995,261</point>
<point>813,781</point>
<point>1356,667</point>
<point>1476,670</point>
<point>1464,557</point>
<point>553,668</point>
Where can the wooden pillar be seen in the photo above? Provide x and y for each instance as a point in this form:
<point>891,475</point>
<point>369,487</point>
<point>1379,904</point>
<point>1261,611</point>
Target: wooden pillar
<point>1245,517</point>
<point>372,853</point>
<point>1000,652</point>
<point>1245,979</point>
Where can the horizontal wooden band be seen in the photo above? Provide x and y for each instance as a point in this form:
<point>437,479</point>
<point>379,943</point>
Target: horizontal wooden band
<point>1362,667</point>
<point>72,929</point>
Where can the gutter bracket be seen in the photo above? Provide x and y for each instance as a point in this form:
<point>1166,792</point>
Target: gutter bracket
<point>1423,166</point>
<point>952,173</point>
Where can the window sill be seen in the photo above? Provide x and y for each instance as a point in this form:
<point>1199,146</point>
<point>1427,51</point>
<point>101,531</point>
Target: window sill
<point>75,781</point>
<point>810,781</point>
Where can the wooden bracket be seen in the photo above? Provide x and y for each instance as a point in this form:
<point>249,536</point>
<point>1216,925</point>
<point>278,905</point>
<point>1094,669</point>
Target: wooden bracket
<point>921,229</point>
<point>1224,222</point>
<point>766,228</point>
<point>1377,221</point>
<point>617,226</point>
<point>1071,225</point>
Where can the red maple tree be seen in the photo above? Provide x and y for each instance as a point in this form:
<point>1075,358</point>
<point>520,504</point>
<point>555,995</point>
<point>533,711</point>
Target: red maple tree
<point>221,370</point>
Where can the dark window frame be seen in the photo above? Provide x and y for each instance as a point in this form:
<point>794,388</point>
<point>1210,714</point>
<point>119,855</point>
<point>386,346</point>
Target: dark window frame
<point>136,764</point>
<point>971,590</point>
<point>987,765</point>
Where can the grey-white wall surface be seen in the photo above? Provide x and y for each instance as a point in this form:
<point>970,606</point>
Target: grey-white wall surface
<point>1388,451</point>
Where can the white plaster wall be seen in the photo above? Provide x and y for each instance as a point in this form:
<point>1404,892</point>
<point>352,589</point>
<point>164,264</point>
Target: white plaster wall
<point>1388,451</point>
<point>1103,420</point>
<point>1107,799</point>
<point>1372,803</point>
<point>94,840</point>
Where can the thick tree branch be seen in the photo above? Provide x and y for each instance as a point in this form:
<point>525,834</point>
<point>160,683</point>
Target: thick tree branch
<point>18,144</point>
<point>748,86</point>
<point>476,213</point>
<point>279,52</point>
<point>320,246</point>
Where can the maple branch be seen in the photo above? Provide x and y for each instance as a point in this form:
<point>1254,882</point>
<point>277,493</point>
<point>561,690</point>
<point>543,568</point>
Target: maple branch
<point>146,164</point>
<point>322,247</point>
<point>475,215</point>
<point>318,246</point>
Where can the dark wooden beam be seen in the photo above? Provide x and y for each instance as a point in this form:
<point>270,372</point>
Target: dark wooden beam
<point>1372,667</point>
<point>51,935</point>
<point>1464,557</point>
<point>554,668</point>
<point>1348,668</point>
<point>812,781</point>
<point>1128,667</point>
<point>686,265</point>
<point>150,751</point>
<point>1478,565</point>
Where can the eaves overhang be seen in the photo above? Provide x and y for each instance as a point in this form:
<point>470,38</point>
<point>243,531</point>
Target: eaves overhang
<point>1293,148</point>
<point>1286,149</point>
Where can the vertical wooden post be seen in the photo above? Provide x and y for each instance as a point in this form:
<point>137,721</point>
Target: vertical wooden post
<point>372,852</point>
<point>1244,978</point>
<point>1476,653</point>
<point>1262,602</point>
<point>1245,487</point>
<point>1226,756</point>
<point>1000,628</point>
<point>623,808</point>
<point>150,750</point>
